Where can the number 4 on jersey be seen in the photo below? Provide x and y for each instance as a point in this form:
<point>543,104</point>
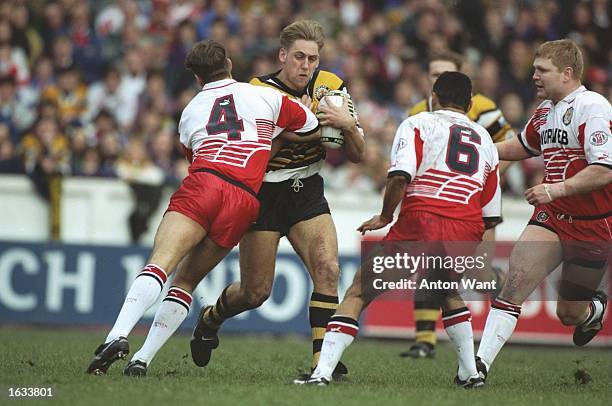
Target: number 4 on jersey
<point>224,119</point>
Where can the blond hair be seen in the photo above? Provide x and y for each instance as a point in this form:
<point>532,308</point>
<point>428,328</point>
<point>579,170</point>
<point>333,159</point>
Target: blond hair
<point>563,53</point>
<point>308,30</point>
<point>447,56</point>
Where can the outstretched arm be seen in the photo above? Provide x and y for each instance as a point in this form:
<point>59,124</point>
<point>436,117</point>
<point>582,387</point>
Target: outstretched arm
<point>394,193</point>
<point>593,177</point>
<point>512,150</point>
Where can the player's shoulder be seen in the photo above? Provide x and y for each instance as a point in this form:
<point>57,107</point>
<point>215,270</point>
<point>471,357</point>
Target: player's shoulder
<point>420,107</point>
<point>481,104</point>
<point>322,82</point>
<point>589,100</point>
<point>264,81</point>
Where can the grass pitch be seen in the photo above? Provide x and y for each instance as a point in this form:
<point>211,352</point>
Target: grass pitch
<point>255,370</point>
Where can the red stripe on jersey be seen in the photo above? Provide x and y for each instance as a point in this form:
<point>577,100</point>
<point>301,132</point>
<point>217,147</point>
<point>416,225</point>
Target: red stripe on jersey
<point>490,188</point>
<point>422,182</point>
<point>460,318</point>
<point>581,134</point>
<point>434,178</point>
<point>336,327</point>
<point>291,117</point>
<point>458,191</point>
<point>465,186</point>
<point>454,176</point>
<point>418,147</point>
<point>532,136</point>
<point>454,198</point>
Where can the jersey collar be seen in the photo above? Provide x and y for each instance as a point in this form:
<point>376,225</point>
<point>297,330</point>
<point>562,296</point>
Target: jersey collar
<point>451,113</point>
<point>570,97</point>
<point>273,78</point>
<point>218,83</point>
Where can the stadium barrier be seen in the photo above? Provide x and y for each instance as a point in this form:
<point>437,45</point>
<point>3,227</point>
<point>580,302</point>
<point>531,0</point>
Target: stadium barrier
<point>83,285</point>
<point>82,280</point>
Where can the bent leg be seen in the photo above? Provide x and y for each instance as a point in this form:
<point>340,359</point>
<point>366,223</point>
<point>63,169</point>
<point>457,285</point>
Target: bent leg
<point>257,260</point>
<point>536,254</point>
<point>176,236</point>
<point>342,328</point>
<point>315,241</point>
<point>175,307</point>
<point>580,303</point>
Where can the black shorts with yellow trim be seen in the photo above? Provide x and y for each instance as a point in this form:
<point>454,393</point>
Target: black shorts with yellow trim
<point>286,203</point>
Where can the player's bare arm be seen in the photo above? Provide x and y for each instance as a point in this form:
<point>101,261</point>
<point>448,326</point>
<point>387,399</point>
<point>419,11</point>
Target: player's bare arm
<point>511,150</point>
<point>593,177</point>
<point>341,118</point>
<point>394,192</point>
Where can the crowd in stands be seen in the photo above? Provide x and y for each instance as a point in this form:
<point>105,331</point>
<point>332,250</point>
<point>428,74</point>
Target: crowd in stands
<point>96,88</point>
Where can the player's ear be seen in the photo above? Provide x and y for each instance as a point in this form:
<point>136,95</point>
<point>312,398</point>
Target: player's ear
<point>568,74</point>
<point>282,55</point>
<point>469,107</point>
<point>434,99</point>
<point>200,81</point>
<point>230,65</point>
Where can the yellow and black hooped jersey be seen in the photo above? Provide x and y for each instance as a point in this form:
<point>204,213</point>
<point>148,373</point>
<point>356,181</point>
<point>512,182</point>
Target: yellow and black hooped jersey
<point>484,111</point>
<point>299,159</point>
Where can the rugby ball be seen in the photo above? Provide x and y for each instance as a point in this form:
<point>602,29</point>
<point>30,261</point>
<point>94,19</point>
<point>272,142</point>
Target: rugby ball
<point>332,137</point>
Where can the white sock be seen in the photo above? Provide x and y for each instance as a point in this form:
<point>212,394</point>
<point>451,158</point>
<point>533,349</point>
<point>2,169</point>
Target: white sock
<point>500,325</point>
<point>458,325</point>
<point>142,294</point>
<point>171,313</point>
<point>341,332</point>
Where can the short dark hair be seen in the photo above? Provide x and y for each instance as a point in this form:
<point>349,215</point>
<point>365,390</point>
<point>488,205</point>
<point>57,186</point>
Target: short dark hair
<point>208,60</point>
<point>454,89</point>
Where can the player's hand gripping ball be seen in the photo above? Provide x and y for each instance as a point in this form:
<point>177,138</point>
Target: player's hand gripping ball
<point>332,137</point>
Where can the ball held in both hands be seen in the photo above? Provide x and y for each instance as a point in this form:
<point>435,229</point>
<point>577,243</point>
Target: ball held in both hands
<point>332,137</point>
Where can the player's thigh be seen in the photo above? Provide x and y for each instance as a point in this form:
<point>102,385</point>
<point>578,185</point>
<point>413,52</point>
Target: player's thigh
<point>198,263</point>
<point>258,251</point>
<point>176,235</point>
<point>315,241</point>
<point>537,253</point>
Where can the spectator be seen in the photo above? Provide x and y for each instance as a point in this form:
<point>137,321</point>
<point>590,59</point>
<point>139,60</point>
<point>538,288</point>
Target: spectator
<point>9,160</point>
<point>145,180</point>
<point>70,95</point>
<point>14,111</point>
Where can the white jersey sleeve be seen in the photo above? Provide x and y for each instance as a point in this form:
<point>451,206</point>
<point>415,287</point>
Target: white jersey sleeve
<point>403,152</point>
<point>596,120</point>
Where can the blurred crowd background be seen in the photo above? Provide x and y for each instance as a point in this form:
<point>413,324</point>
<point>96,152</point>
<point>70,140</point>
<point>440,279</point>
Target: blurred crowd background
<point>96,88</point>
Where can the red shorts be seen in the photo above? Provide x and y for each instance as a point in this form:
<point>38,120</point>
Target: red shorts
<point>425,226</point>
<point>440,236</point>
<point>586,242</point>
<point>226,211</point>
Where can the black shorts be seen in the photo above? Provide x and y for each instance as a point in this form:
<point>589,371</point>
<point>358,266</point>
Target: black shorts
<point>286,203</point>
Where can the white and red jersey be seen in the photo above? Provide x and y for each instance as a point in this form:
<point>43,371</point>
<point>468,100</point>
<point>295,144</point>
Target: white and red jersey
<point>570,135</point>
<point>452,163</point>
<point>228,127</point>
